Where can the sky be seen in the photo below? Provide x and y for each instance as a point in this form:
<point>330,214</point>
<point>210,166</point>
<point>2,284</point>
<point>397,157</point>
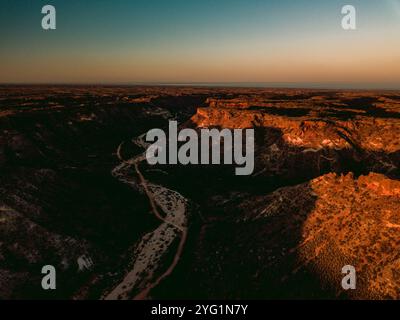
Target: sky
<point>282,43</point>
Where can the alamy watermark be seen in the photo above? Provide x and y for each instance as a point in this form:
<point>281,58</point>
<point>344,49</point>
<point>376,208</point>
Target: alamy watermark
<point>189,146</point>
<point>350,278</point>
<point>348,21</point>
<point>49,18</point>
<point>349,18</point>
<point>49,280</point>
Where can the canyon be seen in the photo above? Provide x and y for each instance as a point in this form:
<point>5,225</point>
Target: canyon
<point>324,193</point>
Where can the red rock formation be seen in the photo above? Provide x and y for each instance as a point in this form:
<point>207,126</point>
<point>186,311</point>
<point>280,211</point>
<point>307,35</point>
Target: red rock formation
<point>309,231</point>
<point>310,132</point>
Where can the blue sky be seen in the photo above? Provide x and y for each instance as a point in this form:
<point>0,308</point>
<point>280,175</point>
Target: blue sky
<point>126,41</point>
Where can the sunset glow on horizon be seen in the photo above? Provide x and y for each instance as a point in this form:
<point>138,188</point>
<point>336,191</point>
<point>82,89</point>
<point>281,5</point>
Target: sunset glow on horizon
<point>202,42</point>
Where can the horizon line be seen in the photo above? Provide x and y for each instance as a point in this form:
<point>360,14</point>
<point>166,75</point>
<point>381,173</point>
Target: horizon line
<point>334,85</point>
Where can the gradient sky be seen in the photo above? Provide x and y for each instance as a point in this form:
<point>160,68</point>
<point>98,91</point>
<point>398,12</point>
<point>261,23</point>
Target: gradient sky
<point>181,41</point>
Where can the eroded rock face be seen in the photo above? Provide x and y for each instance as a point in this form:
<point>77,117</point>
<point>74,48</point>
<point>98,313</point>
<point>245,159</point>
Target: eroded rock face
<point>356,221</point>
<point>294,242</point>
<point>358,134</point>
<point>309,132</point>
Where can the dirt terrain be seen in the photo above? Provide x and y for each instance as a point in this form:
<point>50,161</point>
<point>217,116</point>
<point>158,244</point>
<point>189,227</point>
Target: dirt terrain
<point>77,193</point>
